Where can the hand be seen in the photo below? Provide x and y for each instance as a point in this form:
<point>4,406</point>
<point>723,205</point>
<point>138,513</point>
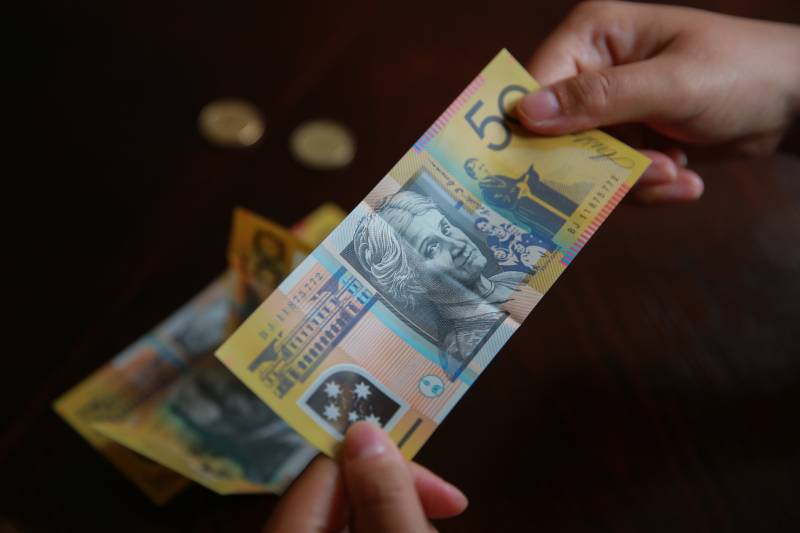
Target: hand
<point>385,493</point>
<point>692,76</point>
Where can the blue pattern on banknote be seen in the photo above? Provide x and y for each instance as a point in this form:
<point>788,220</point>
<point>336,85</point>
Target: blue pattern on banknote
<point>525,200</point>
<point>389,319</point>
<point>292,357</point>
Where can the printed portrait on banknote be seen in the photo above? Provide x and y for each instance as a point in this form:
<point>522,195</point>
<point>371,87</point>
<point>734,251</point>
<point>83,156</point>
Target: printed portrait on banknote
<point>442,270</point>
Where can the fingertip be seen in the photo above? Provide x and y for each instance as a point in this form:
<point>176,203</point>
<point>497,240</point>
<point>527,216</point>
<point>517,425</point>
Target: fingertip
<point>694,184</point>
<point>455,503</point>
<point>688,187</point>
<point>451,504</point>
<point>439,498</point>
<point>364,440</point>
<point>661,170</point>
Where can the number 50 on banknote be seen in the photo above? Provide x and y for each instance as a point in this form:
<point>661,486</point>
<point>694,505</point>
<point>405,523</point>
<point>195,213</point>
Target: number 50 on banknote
<point>398,311</point>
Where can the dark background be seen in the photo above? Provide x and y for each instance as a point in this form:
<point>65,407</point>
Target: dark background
<point>655,388</point>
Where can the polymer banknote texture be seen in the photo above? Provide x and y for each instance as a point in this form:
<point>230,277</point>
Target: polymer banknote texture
<point>395,315</point>
<point>166,412</point>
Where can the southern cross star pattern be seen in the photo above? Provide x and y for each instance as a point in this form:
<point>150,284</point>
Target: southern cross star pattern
<point>360,392</point>
<point>345,397</point>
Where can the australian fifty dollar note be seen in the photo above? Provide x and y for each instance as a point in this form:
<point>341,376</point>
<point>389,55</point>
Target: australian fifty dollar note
<point>393,317</point>
<point>167,398</point>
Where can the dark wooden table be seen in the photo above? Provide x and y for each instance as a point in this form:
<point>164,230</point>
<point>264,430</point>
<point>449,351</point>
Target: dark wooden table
<point>656,388</point>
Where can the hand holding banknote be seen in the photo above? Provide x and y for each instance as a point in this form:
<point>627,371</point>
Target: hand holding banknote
<point>379,489</point>
<point>692,76</point>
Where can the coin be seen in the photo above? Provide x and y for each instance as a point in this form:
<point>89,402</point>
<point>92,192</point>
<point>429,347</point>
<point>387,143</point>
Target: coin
<point>322,145</point>
<point>231,122</point>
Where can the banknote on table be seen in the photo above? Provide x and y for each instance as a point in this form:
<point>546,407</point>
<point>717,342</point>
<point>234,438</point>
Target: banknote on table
<point>398,311</point>
<point>141,371</point>
<point>313,229</point>
<point>193,416</point>
<point>206,424</point>
<point>261,253</point>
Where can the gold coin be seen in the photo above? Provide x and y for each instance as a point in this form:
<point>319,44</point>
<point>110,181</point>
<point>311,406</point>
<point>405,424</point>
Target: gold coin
<point>322,145</point>
<point>231,122</point>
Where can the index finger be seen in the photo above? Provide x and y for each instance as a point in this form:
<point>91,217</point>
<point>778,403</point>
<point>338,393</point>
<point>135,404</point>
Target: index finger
<point>597,35</point>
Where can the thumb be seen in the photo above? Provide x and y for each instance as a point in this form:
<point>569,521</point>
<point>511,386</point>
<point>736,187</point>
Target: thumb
<point>636,92</point>
<point>379,483</point>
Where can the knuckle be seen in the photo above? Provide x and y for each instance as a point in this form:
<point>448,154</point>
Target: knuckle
<point>685,97</point>
<point>684,84</point>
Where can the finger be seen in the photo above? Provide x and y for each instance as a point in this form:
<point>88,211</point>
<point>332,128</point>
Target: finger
<point>560,55</point>
<point>379,483</point>
<point>594,36</point>
<point>315,503</point>
<point>678,156</point>
<point>662,169</point>
<point>439,498</point>
<point>651,90</point>
<point>686,188</point>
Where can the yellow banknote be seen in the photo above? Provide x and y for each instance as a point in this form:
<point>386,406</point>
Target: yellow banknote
<point>207,426</point>
<point>140,372</point>
<point>260,254</point>
<point>106,395</point>
<point>393,317</point>
<point>158,396</point>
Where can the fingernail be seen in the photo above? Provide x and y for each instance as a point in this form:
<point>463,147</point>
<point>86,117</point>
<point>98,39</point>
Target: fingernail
<point>539,106</point>
<point>696,184</point>
<point>364,440</point>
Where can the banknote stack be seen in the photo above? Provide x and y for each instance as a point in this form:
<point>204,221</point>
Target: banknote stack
<point>390,319</point>
<point>166,412</point>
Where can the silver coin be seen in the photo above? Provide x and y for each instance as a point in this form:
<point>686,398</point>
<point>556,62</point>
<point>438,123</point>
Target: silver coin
<point>322,145</point>
<point>231,122</point>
